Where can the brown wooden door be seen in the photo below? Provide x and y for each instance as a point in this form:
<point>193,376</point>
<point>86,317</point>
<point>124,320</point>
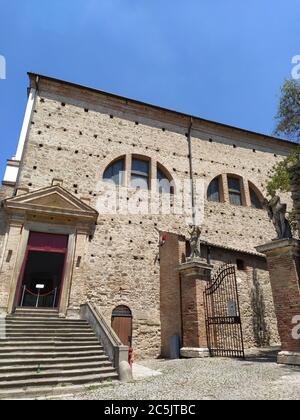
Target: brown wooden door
<point>122,324</point>
<point>123,328</point>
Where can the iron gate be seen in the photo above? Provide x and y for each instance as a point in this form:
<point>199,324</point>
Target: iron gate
<point>222,311</point>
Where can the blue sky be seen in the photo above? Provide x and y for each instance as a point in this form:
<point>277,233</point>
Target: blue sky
<point>221,60</point>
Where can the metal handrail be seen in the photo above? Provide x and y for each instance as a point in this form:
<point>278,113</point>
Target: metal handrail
<point>38,295</point>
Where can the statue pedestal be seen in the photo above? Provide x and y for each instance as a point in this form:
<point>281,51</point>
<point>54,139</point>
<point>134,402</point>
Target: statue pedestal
<point>283,257</point>
<point>194,277</point>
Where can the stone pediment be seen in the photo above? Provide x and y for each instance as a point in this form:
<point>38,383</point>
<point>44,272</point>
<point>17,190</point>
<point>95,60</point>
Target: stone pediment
<point>51,201</point>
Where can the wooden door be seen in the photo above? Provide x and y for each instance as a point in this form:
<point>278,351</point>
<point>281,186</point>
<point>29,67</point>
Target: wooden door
<point>122,324</point>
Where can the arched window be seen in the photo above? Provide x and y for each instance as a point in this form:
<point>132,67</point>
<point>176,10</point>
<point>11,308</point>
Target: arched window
<point>164,183</point>
<point>115,172</point>
<point>122,324</point>
<point>256,197</point>
<point>214,190</point>
<point>235,190</point>
<point>140,174</point>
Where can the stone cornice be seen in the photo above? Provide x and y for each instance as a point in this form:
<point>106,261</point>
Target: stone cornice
<point>280,245</point>
<point>51,202</point>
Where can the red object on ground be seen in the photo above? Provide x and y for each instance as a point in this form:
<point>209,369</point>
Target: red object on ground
<point>130,356</point>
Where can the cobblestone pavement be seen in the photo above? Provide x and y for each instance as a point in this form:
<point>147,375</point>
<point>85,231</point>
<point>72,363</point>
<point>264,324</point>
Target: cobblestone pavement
<point>259,377</point>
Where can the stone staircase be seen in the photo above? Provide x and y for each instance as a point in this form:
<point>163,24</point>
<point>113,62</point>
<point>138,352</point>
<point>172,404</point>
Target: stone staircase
<point>43,353</point>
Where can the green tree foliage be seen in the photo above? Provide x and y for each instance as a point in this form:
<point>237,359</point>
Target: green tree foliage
<point>279,180</point>
<point>288,126</point>
<point>288,115</point>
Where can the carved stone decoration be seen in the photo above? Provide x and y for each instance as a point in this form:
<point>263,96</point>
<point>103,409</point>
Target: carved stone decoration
<point>277,214</point>
<point>195,243</point>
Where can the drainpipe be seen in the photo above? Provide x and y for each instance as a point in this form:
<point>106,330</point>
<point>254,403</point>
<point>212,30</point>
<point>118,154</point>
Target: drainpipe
<point>191,171</point>
<point>25,128</point>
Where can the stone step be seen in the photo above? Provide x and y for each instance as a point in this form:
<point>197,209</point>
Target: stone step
<point>43,353</point>
<point>31,376</point>
<point>29,317</point>
<point>50,348</point>
<point>46,323</point>
<point>35,321</point>
<point>24,310</point>
<point>33,368</point>
<point>4,344</point>
<point>63,337</point>
<point>42,316</point>
<point>27,330</point>
<point>40,354</point>
<point>50,392</point>
<point>81,379</point>
<point>46,360</point>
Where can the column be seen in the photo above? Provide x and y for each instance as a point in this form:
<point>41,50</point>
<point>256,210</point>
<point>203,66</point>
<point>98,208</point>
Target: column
<point>194,277</point>
<point>283,257</point>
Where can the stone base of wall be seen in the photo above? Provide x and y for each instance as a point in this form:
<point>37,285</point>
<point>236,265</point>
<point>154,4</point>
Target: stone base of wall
<point>288,358</point>
<point>194,353</point>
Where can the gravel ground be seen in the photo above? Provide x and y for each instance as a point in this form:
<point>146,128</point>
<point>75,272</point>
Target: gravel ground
<point>259,377</point>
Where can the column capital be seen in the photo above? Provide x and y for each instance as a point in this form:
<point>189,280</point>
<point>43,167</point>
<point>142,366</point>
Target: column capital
<point>195,268</point>
<point>280,246</point>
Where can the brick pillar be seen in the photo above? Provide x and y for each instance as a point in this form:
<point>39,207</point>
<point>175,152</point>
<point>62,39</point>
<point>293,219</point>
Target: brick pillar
<point>194,277</point>
<point>283,257</point>
<point>172,253</point>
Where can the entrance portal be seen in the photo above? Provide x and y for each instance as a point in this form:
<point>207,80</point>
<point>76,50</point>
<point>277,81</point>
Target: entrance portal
<point>43,270</point>
<point>42,278</point>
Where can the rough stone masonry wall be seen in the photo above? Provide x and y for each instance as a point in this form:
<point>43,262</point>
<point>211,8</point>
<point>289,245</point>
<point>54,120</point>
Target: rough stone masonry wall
<point>121,266</point>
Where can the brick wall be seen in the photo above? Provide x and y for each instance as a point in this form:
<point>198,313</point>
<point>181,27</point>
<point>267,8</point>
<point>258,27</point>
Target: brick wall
<point>285,286</point>
<point>171,254</point>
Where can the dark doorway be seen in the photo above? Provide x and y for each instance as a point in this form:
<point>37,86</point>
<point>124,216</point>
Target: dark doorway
<point>42,273</point>
<point>122,324</point>
<point>42,279</point>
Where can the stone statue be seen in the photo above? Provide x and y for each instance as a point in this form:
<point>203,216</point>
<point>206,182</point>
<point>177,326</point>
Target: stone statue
<point>277,213</point>
<point>195,242</point>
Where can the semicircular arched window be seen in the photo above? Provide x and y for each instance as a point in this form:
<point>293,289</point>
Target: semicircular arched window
<point>256,197</point>
<point>235,192</point>
<point>115,172</point>
<point>214,190</point>
<point>139,173</point>
<point>164,181</point>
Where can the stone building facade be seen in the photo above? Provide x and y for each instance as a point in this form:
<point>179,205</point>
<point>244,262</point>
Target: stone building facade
<point>75,138</point>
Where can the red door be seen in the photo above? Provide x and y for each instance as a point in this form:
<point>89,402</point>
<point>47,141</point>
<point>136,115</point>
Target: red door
<point>41,278</point>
